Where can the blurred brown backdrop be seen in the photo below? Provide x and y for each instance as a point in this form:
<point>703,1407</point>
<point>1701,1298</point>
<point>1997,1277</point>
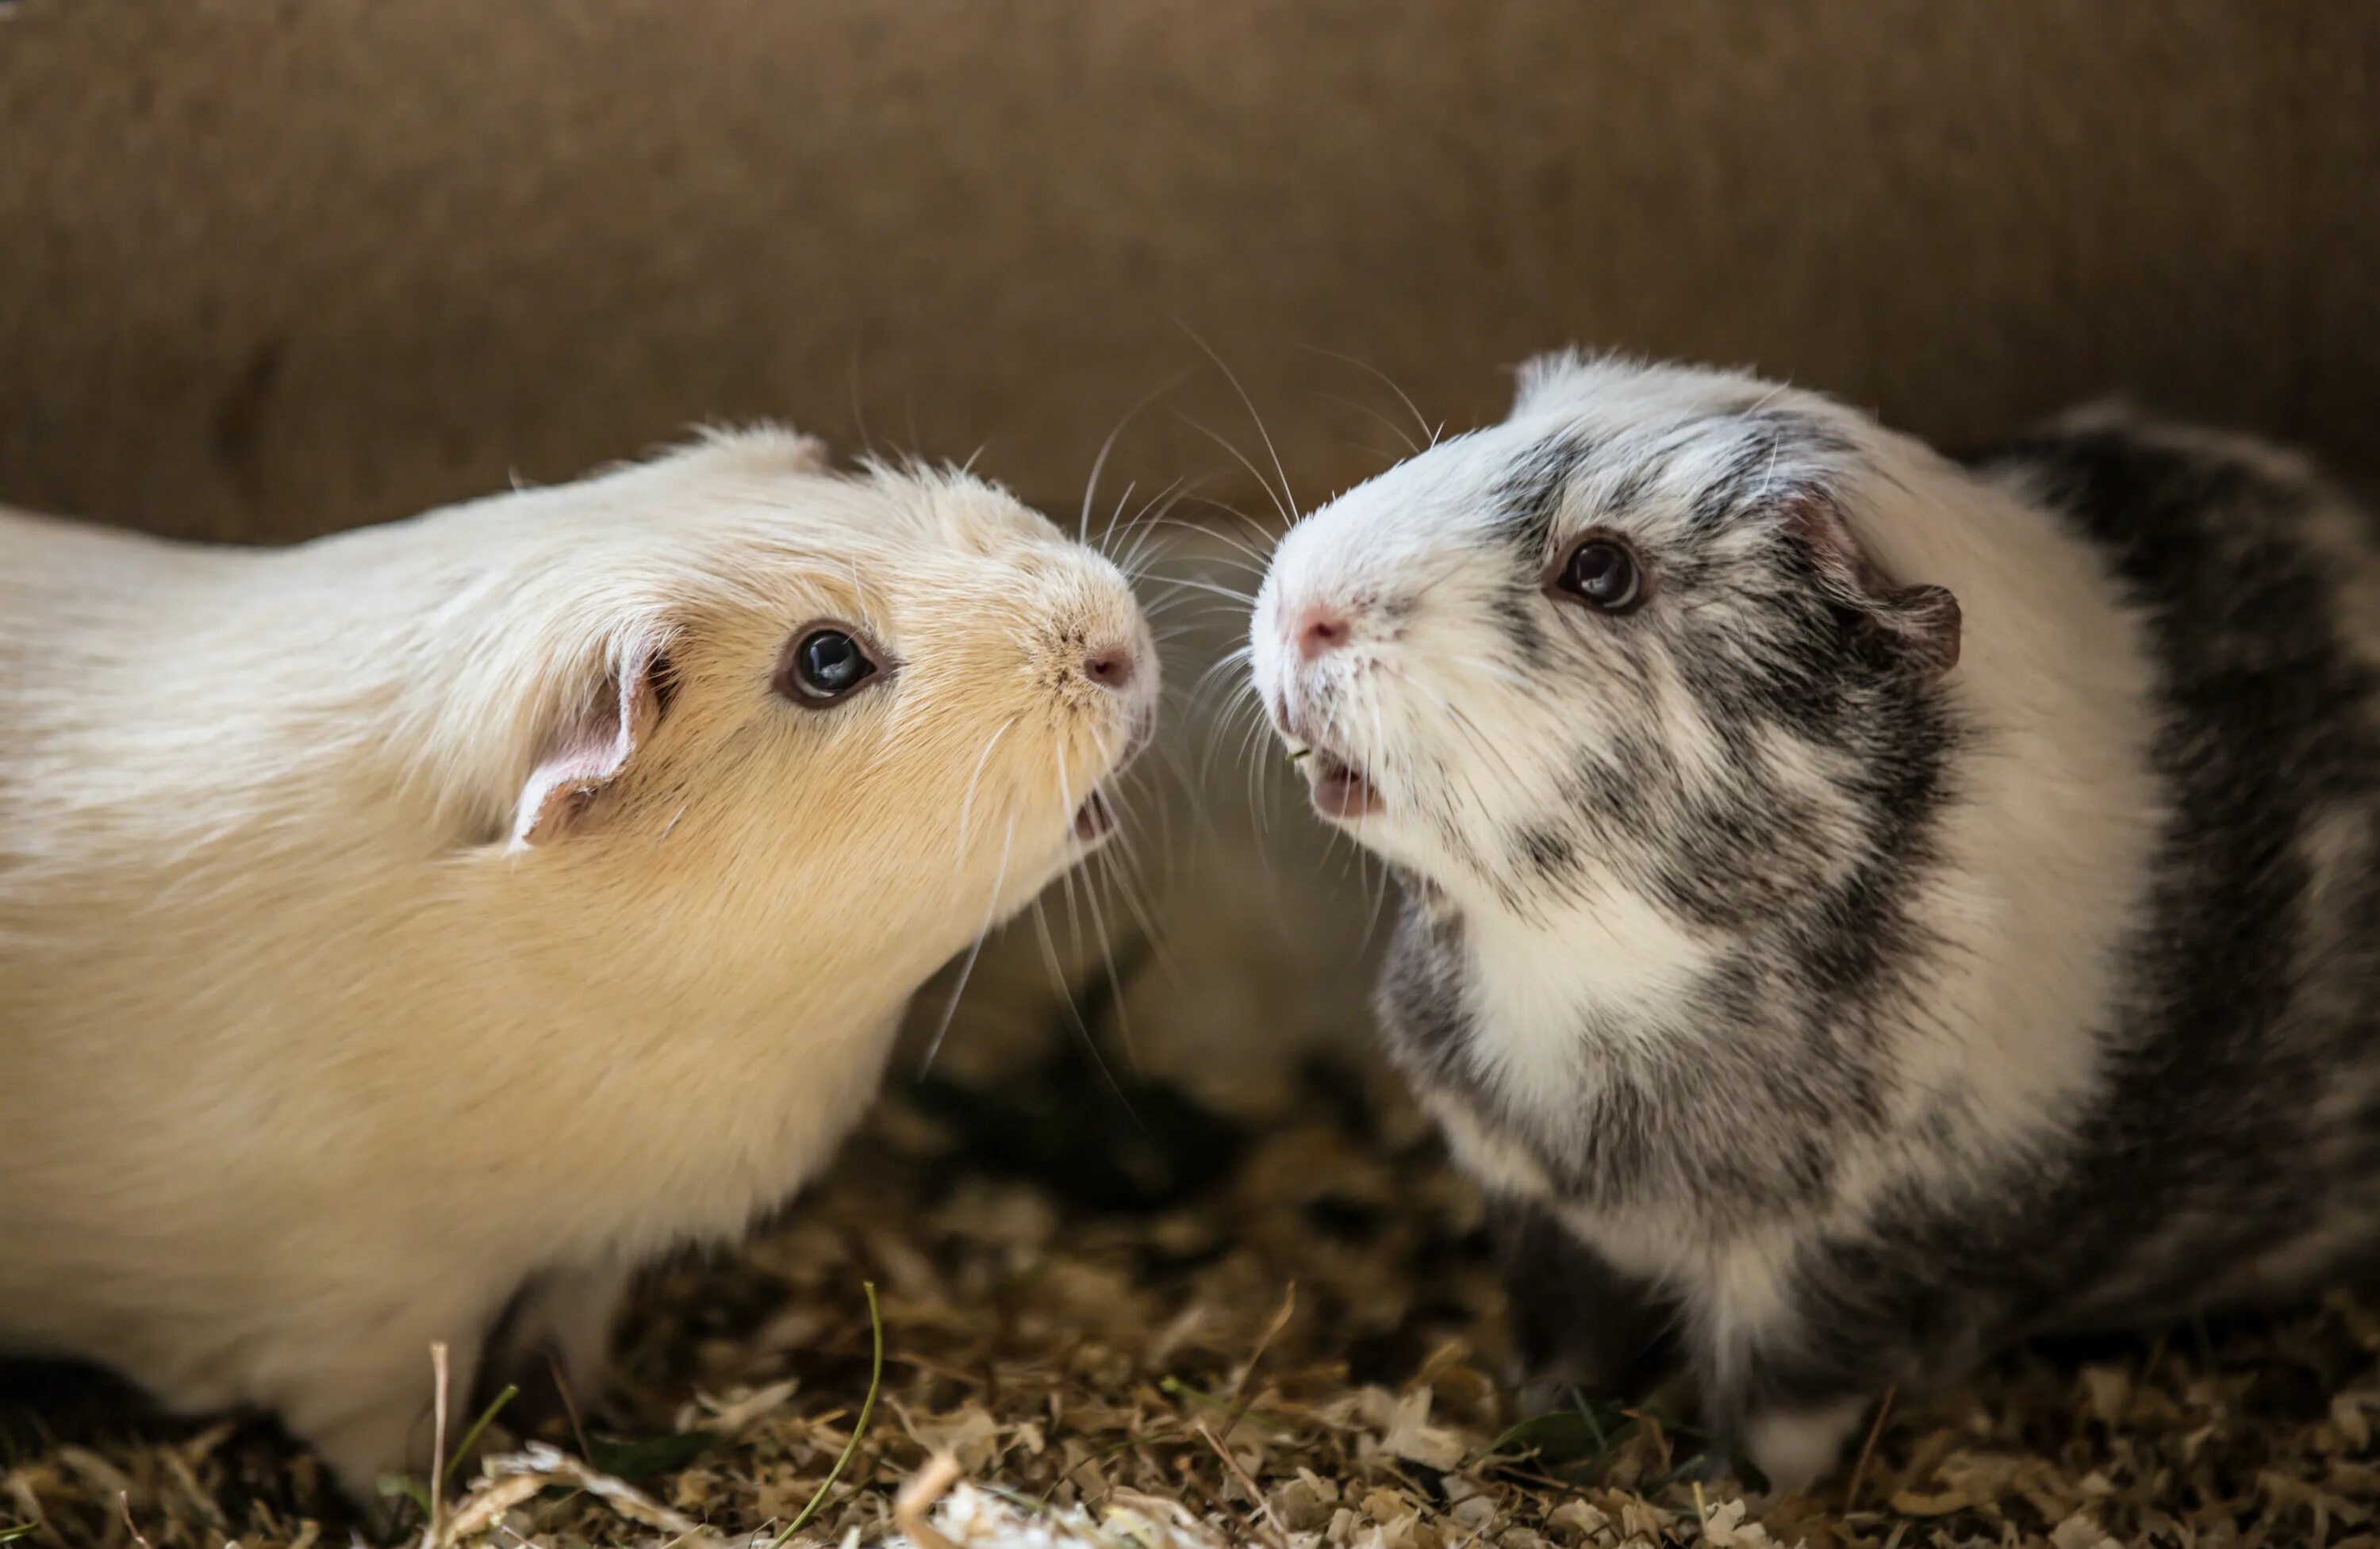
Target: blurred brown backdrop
<point>267,268</point>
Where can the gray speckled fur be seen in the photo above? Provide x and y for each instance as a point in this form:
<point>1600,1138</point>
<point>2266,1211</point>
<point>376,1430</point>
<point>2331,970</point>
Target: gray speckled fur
<point>1756,1122</point>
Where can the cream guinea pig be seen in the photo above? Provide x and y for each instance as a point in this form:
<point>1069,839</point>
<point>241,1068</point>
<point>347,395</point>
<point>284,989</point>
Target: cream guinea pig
<point>424,926</point>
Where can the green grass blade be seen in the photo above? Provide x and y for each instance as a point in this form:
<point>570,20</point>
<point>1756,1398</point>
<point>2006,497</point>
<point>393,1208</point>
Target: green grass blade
<point>859,1432</point>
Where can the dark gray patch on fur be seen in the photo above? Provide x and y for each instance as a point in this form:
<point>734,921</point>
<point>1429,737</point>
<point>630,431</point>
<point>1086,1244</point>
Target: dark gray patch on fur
<point>2229,1026</point>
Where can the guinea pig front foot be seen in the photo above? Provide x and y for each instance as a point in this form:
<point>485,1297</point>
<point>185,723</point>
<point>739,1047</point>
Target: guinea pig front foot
<point>558,1351</point>
<point>1795,1447</point>
<point>370,1417</point>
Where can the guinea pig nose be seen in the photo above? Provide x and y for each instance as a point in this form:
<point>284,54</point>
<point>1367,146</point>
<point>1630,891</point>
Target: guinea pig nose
<point>1320,628</point>
<point>1112,667</point>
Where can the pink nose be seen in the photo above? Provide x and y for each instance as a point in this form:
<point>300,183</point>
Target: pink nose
<point>1113,667</point>
<point>1320,629</point>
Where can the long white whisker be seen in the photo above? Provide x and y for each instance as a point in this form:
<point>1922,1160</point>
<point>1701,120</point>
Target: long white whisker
<point>975,950</point>
<point>1091,489</point>
<point>1287,516</point>
<point>1289,497</point>
<point>1389,382</point>
<point>967,804</point>
<point>1412,448</point>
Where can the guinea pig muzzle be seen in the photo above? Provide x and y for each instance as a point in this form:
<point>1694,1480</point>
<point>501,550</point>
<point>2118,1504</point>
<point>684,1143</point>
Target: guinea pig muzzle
<point>1341,790</point>
<point>1095,818</point>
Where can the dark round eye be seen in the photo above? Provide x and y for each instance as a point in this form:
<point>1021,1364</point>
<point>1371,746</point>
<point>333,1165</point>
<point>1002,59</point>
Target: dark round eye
<point>825,664</point>
<point>1602,574</point>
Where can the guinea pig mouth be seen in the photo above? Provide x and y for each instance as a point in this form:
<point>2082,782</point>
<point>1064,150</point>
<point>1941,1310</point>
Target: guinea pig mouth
<point>1341,790</point>
<point>1094,820</point>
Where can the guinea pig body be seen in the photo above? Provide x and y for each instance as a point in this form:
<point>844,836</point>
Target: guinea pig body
<point>1862,908</point>
<point>449,916</point>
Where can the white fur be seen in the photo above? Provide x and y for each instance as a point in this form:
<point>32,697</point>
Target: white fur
<point>2050,849</point>
<point>2047,850</point>
<point>315,1052</point>
<point>1794,1450</point>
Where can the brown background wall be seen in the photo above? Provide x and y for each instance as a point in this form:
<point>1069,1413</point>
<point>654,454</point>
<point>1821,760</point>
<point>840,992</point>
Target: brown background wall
<point>271,267</point>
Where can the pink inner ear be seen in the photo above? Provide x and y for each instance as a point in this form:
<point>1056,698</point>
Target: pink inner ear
<point>586,756</point>
<point>1822,528</point>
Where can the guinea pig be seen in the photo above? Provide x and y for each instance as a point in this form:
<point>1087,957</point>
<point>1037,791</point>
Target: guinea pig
<point>428,925</point>
<point>1861,908</point>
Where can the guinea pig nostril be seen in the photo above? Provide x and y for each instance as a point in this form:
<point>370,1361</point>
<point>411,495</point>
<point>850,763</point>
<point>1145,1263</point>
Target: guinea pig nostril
<point>1111,668</point>
<point>1320,629</point>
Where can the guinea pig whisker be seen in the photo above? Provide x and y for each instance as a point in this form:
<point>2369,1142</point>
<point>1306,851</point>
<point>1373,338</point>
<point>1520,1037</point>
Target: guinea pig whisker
<point>1168,760</point>
<point>1066,877</point>
<point>1381,890</point>
<point>1140,529</point>
<point>1230,572</point>
<point>1386,379</point>
<point>1115,869</point>
<point>1387,456</point>
<point>1243,714</point>
<point>1091,486</point>
<point>859,415</point>
<point>1256,527</point>
<point>1135,527</point>
<point>1191,584</point>
<point>966,803</point>
<point>1358,857</point>
<point>1225,717</point>
<point>1177,596</point>
<point>1106,939</point>
<point>1289,497</point>
<point>1288,513</point>
<point>1250,756</point>
<point>1176,845</point>
<point>1108,535</point>
<point>1249,569</point>
<point>1228,661</point>
<point>1208,608</point>
<point>1074,1018</point>
<point>1412,448</point>
<point>975,951</point>
<point>1470,731</point>
<point>1255,563</point>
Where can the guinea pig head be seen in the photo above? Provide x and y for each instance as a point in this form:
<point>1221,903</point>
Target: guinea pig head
<point>830,726</point>
<point>1628,639</point>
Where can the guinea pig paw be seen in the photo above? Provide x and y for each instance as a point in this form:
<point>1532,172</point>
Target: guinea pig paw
<point>1795,1448</point>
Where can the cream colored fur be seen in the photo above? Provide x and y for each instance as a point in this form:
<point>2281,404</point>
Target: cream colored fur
<point>308,1058</point>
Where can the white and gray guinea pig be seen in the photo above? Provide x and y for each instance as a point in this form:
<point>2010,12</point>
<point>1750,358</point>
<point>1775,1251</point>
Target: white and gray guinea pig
<point>1862,907</point>
<point>410,933</point>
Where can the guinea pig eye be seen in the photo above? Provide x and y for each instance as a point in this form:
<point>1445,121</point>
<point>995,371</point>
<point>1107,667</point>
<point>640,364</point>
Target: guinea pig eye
<point>824,664</point>
<point>1602,574</point>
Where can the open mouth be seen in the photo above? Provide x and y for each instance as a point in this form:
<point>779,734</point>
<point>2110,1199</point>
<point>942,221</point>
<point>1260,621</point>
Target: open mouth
<point>1341,789</point>
<point>1095,819</point>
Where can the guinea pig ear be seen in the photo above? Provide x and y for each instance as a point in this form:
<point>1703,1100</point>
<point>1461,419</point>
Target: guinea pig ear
<point>1911,629</point>
<point>588,751</point>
